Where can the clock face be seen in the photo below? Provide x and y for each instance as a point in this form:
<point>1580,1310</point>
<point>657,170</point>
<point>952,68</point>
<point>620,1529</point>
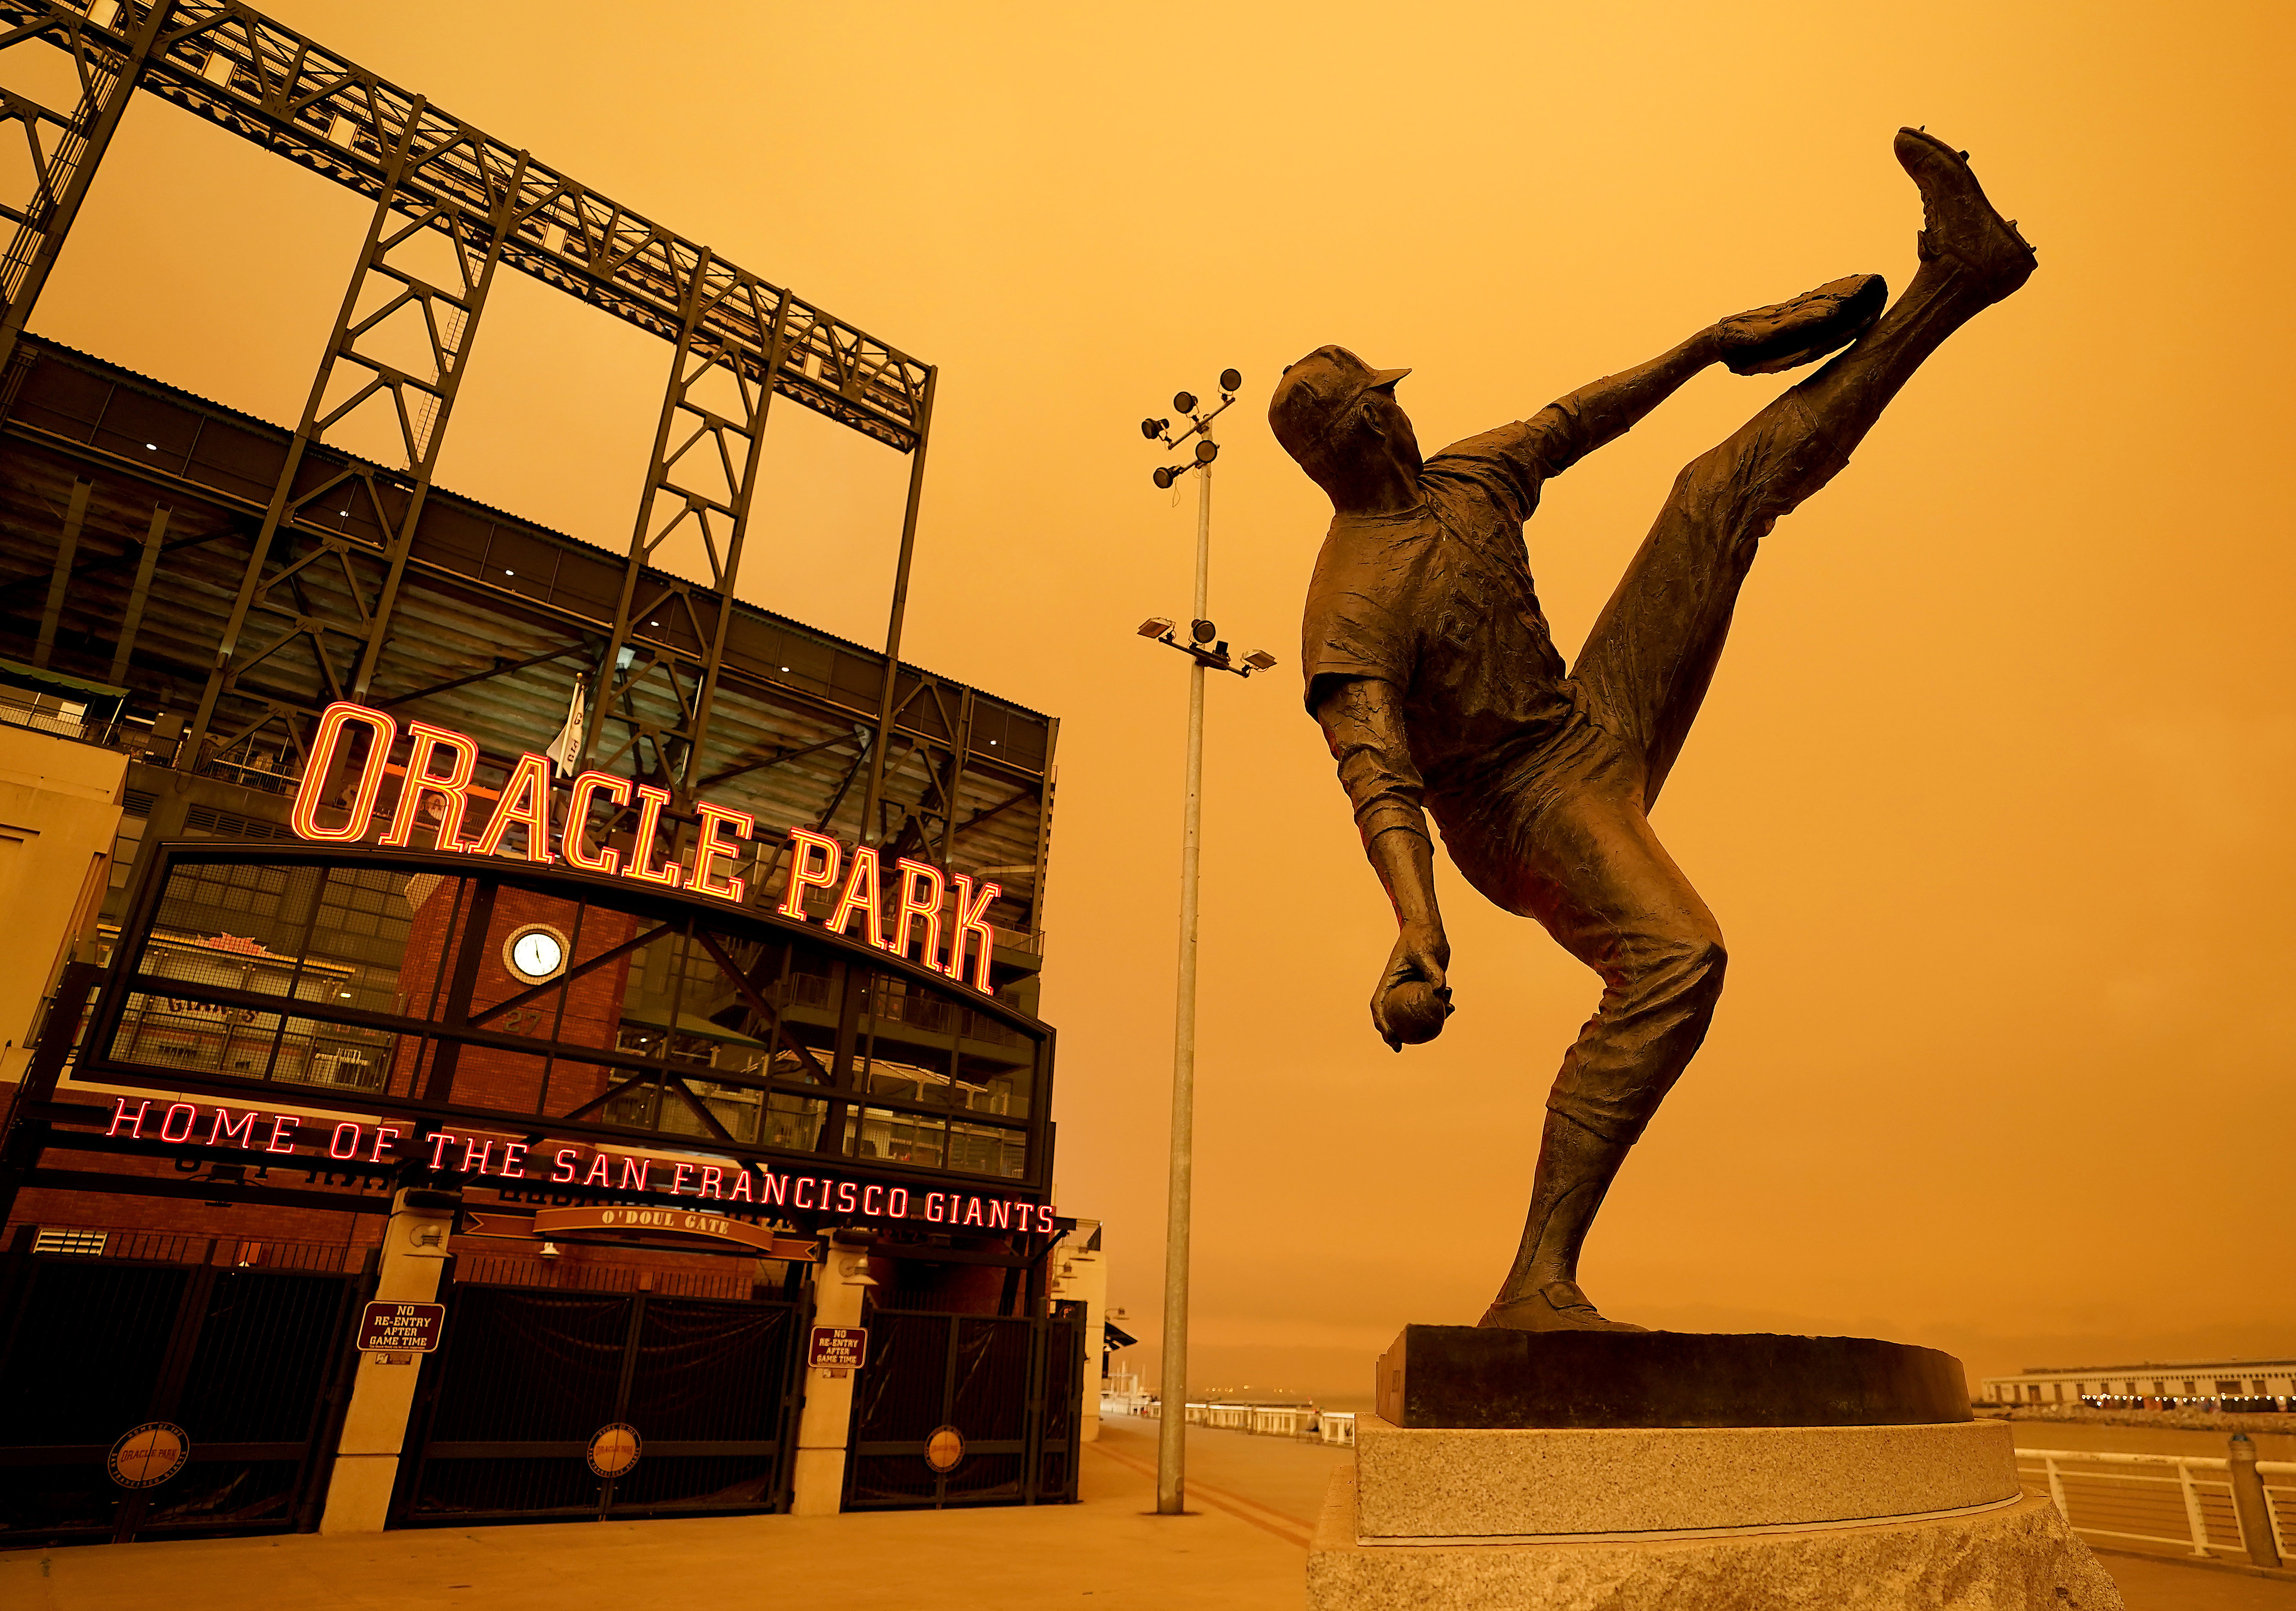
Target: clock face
<point>538,953</point>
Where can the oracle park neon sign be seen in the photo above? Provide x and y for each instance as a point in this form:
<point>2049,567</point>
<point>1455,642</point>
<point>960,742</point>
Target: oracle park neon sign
<point>440,770</point>
<point>495,1161</point>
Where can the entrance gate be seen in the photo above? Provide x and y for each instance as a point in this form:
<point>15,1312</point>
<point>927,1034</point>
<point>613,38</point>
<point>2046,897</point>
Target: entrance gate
<point>1006,1387</point>
<point>243,1367</point>
<point>538,1399</point>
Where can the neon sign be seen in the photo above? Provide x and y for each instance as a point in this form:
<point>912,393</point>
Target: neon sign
<point>493,1160</point>
<point>440,771</point>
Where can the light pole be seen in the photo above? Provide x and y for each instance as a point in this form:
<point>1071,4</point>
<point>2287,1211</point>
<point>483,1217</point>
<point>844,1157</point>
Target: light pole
<point>1206,651</point>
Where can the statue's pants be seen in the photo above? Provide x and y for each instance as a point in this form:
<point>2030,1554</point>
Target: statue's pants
<point>1561,832</point>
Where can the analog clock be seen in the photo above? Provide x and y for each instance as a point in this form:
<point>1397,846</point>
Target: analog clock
<point>536,953</point>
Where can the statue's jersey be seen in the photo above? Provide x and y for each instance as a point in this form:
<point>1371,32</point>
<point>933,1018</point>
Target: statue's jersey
<point>1438,601</point>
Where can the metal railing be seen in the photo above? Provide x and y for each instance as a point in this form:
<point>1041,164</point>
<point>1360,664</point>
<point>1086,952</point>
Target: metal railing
<point>131,736</point>
<point>2188,1503</point>
<point>1303,1422</point>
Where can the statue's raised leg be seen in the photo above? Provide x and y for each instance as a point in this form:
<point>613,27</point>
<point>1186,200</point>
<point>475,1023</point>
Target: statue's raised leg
<point>1586,863</point>
<point>1647,662</point>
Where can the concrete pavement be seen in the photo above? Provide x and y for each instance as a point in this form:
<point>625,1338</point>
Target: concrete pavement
<point>1244,1548</point>
<point>1233,1553</point>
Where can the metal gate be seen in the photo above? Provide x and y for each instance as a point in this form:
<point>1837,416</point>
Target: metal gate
<point>965,1409</point>
<point>242,1368</point>
<point>548,1405</point>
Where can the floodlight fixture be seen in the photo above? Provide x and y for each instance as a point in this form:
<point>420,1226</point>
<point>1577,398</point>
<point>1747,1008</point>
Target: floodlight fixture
<point>1231,380</point>
<point>1259,659</point>
<point>1203,632</point>
<point>1155,626</point>
<point>1207,451</point>
<point>1164,476</point>
<point>1149,427</point>
<point>1184,401</point>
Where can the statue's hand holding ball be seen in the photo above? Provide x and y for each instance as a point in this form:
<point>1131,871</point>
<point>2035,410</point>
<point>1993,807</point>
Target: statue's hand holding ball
<point>1414,1012</point>
<point>1413,997</point>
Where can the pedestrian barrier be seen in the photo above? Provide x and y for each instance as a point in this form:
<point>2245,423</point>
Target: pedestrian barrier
<point>1303,1422</point>
<point>2203,1506</point>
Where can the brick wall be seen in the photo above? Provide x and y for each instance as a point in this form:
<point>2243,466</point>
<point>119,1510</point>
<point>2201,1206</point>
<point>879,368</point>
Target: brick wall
<point>187,1217</point>
<point>485,1076</point>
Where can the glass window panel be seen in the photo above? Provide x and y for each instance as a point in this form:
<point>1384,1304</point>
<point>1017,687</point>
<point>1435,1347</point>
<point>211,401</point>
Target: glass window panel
<point>911,1044</point>
<point>907,1082</point>
<point>806,1067</point>
<point>675,999</point>
<point>991,1031</point>
<point>899,1002</point>
<point>738,1107</point>
<point>794,1121</point>
<point>648,1101</point>
<point>198,963</point>
<point>228,905</point>
<point>194,1036</point>
<point>746,1004</point>
<point>808,989</point>
<point>363,922</point>
<point>1000,1084</point>
<point>978,1150</point>
<point>904,1138</point>
<point>805,1038</point>
<point>317,1052</point>
<point>674,1113</point>
<point>635,1104</point>
<point>653,981</point>
<point>246,952</point>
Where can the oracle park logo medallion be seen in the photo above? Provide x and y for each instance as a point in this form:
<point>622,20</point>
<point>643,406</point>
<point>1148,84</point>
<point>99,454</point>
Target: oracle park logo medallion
<point>945,1450</point>
<point>148,1455</point>
<point>615,1449</point>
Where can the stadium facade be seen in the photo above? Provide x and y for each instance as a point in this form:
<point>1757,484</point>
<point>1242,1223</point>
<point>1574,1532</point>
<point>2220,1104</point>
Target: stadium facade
<point>497,1030</point>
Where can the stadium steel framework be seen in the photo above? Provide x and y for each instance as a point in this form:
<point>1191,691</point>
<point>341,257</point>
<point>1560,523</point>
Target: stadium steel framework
<point>236,576</point>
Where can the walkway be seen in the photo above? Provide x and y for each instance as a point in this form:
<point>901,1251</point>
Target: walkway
<point>1235,1554</point>
<point>1254,1502</point>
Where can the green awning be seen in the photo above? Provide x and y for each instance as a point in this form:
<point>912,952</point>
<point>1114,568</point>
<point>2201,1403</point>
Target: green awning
<point>692,1023</point>
<point>18,670</point>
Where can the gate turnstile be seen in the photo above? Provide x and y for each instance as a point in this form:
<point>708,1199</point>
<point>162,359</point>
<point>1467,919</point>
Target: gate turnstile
<point>518,1412</point>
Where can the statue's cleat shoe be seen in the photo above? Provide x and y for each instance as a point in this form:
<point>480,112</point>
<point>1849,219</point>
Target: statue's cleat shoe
<point>1557,1307</point>
<point>1958,223</point>
<point>1787,335</point>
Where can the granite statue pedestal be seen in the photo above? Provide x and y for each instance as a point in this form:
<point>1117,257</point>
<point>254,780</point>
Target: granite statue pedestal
<point>1617,1471</point>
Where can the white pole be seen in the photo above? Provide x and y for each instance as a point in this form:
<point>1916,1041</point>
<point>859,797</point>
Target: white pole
<point>2193,1519</point>
<point>1172,1434</point>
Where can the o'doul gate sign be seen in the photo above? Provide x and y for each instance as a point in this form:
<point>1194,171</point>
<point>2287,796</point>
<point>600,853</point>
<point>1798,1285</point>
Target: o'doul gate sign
<point>674,1222</point>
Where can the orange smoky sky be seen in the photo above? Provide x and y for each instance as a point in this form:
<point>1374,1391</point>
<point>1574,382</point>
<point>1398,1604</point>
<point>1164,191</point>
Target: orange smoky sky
<point>1991,795</point>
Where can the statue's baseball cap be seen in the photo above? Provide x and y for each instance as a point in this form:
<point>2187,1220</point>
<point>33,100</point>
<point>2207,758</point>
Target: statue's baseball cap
<point>1317,393</point>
